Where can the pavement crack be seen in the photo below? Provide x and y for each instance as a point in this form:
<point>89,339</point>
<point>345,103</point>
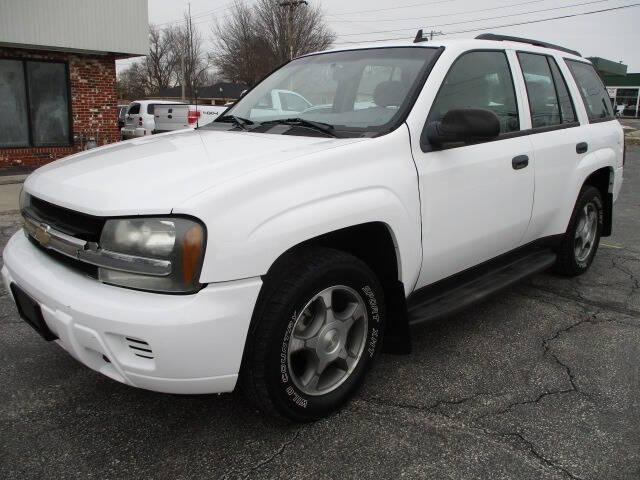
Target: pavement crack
<point>425,408</point>
<point>263,463</point>
<point>582,300</point>
<point>520,439</point>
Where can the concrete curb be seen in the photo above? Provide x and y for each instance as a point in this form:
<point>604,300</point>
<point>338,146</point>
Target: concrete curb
<point>11,179</point>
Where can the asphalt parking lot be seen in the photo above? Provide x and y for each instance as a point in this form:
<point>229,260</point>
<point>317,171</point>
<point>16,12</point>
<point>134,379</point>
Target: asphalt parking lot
<point>539,382</point>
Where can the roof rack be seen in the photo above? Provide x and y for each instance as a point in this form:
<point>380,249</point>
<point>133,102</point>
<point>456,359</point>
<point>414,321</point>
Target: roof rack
<point>537,43</point>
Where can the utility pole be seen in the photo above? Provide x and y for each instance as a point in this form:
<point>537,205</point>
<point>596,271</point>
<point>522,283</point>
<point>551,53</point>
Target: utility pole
<point>291,6</point>
<point>433,33</point>
<point>188,49</point>
<point>182,75</point>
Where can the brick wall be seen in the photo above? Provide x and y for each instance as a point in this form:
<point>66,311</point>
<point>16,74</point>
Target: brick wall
<point>92,81</point>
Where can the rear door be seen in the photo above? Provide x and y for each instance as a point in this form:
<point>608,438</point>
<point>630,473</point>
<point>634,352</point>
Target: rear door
<point>169,117</point>
<point>476,198</point>
<point>555,133</point>
<point>572,126</point>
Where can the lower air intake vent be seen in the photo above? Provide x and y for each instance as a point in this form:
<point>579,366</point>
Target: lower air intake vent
<point>139,347</point>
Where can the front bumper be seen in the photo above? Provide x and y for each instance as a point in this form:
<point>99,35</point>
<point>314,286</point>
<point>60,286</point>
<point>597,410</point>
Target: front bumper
<point>130,132</point>
<point>190,343</point>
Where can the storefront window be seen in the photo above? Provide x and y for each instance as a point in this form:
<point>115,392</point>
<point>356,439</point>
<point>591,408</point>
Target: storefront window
<point>627,98</point>
<point>34,102</point>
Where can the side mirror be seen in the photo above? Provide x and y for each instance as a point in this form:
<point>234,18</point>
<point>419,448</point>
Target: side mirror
<point>463,126</point>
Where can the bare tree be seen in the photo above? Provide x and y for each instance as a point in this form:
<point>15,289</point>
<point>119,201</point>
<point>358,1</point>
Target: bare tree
<point>292,31</point>
<point>255,40</point>
<point>160,63</point>
<point>190,58</point>
<point>132,83</point>
<point>240,55</point>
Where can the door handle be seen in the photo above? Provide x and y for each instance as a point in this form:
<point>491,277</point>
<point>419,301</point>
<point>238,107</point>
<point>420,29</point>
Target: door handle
<point>520,161</point>
<point>582,147</point>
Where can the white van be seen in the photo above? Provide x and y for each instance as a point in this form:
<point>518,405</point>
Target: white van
<point>139,120</point>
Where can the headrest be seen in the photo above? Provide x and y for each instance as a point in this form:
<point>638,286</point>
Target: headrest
<point>389,94</point>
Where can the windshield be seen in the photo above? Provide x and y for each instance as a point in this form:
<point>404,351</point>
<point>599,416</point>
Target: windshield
<point>356,91</point>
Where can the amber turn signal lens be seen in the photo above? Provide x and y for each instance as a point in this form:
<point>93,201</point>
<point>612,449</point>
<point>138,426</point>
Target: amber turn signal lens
<point>191,253</point>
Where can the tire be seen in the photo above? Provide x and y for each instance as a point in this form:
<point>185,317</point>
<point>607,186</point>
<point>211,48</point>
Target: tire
<point>573,259</point>
<point>279,372</point>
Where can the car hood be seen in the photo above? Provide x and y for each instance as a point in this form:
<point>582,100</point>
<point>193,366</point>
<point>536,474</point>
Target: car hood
<point>152,175</point>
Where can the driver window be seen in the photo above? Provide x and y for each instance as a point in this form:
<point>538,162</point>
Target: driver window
<point>479,79</point>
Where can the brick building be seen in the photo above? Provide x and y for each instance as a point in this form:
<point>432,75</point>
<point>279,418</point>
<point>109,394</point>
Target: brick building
<point>58,76</point>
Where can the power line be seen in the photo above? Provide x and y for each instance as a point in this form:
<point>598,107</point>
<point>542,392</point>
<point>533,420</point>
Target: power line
<point>228,6</point>
<point>502,7</point>
<point>502,26</point>
<point>476,19</point>
<point>395,8</point>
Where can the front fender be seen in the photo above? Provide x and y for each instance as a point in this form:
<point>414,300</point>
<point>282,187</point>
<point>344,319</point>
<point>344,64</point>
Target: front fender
<point>254,219</point>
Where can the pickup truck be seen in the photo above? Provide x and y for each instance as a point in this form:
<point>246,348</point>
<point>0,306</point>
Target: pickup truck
<point>170,117</point>
<point>283,252</point>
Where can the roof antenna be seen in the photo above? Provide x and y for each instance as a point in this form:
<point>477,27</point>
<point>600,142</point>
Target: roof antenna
<point>420,37</point>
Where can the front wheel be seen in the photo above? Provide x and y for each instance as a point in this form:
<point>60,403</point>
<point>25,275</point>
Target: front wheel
<point>317,328</point>
<point>580,243</point>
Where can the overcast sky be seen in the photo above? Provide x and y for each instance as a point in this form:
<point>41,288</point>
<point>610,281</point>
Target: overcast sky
<point>614,34</point>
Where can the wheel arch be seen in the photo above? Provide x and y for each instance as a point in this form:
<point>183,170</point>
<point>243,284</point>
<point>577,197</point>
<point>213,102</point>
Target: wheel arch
<point>376,245</point>
<point>603,180</point>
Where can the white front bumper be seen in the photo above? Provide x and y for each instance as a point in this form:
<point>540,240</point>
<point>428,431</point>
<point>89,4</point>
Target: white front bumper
<point>195,341</point>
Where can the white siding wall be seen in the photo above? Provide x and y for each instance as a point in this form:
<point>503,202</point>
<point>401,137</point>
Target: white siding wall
<point>118,26</point>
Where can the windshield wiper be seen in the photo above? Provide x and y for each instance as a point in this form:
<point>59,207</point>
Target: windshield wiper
<point>325,128</point>
<point>238,121</point>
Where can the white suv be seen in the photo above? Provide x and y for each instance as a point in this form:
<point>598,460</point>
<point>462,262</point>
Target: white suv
<point>284,253</point>
<point>139,120</point>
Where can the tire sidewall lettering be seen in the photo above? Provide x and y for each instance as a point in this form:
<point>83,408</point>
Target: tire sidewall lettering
<point>299,400</point>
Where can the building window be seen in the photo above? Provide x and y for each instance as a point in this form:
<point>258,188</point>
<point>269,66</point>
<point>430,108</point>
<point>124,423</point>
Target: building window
<point>627,101</point>
<point>34,101</point>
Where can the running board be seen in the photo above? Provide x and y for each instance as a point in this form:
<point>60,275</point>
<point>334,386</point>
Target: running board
<point>454,294</point>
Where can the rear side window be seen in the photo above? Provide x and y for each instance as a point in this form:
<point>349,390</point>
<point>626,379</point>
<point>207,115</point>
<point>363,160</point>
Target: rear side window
<point>567,110</point>
<point>596,99</point>
<point>479,79</point>
<point>549,100</point>
<point>134,109</point>
<point>151,108</point>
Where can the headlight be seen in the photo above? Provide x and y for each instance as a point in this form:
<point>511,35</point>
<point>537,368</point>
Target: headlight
<point>25,199</point>
<point>175,244</point>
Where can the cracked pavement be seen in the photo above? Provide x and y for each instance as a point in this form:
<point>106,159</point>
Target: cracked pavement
<point>541,381</point>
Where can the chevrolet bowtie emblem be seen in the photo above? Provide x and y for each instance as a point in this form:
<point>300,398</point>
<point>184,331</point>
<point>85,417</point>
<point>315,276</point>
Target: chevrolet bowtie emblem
<point>42,235</point>
<point>39,232</point>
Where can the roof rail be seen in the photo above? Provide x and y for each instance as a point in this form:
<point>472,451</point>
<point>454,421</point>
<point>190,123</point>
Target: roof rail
<point>537,43</point>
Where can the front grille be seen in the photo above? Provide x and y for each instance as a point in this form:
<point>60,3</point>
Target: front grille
<point>77,265</point>
<point>76,224</point>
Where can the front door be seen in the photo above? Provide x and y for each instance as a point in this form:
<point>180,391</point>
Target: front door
<point>476,199</point>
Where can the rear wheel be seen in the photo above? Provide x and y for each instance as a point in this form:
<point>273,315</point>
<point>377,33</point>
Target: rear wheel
<point>315,333</point>
<point>582,238</point>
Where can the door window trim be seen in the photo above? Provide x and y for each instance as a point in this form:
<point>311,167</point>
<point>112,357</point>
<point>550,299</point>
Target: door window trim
<point>427,147</point>
<point>551,128</point>
<point>584,102</point>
